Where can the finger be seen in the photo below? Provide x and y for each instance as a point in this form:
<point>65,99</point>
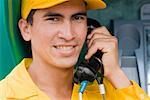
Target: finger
<point>97,44</point>
<point>102,29</point>
<point>105,45</point>
<point>97,34</point>
<point>90,52</point>
<point>99,30</point>
<point>100,36</point>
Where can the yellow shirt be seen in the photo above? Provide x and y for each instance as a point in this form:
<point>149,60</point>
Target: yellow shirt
<point>18,85</point>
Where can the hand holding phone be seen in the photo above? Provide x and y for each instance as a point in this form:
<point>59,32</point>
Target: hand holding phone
<point>88,69</point>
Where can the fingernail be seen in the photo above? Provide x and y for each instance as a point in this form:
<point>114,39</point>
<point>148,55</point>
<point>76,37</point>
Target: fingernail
<point>89,36</point>
<point>86,56</point>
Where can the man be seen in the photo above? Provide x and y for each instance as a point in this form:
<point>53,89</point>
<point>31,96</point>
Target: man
<point>57,30</point>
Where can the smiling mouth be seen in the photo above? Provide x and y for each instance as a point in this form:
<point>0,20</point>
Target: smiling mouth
<point>65,48</point>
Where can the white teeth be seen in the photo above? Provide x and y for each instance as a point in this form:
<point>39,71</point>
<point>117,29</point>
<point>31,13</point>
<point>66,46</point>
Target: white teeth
<point>64,47</point>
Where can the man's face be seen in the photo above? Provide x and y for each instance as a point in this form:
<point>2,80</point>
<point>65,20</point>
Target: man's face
<point>58,34</point>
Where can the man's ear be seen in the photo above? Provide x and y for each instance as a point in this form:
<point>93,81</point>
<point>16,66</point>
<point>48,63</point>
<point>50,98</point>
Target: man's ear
<point>25,29</point>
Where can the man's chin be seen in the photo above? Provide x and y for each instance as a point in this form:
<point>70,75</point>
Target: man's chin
<point>67,64</point>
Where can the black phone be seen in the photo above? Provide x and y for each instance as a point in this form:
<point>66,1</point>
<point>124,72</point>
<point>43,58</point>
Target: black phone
<point>88,69</point>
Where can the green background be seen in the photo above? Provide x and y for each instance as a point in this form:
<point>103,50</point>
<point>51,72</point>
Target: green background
<point>12,46</point>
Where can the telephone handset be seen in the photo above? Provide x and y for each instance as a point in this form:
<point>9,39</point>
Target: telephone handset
<point>88,69</point>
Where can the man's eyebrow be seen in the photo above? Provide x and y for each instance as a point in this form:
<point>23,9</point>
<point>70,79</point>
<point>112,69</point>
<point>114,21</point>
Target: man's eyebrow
<point>79,13</point>
<point>52,14</point>
<point>49,14</point>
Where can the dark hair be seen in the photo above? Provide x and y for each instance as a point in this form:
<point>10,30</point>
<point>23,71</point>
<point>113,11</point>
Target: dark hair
<point>30,16</point>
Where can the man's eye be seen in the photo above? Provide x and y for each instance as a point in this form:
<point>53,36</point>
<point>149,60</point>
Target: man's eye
<point>53,19</point>
<point>79,18</point>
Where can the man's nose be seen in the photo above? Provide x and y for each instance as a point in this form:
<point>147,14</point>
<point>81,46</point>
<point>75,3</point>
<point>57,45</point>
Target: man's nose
<point>67,31</point>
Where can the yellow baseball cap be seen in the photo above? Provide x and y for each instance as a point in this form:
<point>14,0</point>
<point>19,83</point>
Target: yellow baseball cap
<point>28,5</point>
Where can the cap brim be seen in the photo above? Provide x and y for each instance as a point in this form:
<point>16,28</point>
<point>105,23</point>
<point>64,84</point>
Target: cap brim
<point>91,4</point>
<point>39,6</point>
<point>95,4</point>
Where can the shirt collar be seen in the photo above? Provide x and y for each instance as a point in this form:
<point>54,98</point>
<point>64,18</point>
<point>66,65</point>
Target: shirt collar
<point>20,82</point>
<point>22,85</point>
